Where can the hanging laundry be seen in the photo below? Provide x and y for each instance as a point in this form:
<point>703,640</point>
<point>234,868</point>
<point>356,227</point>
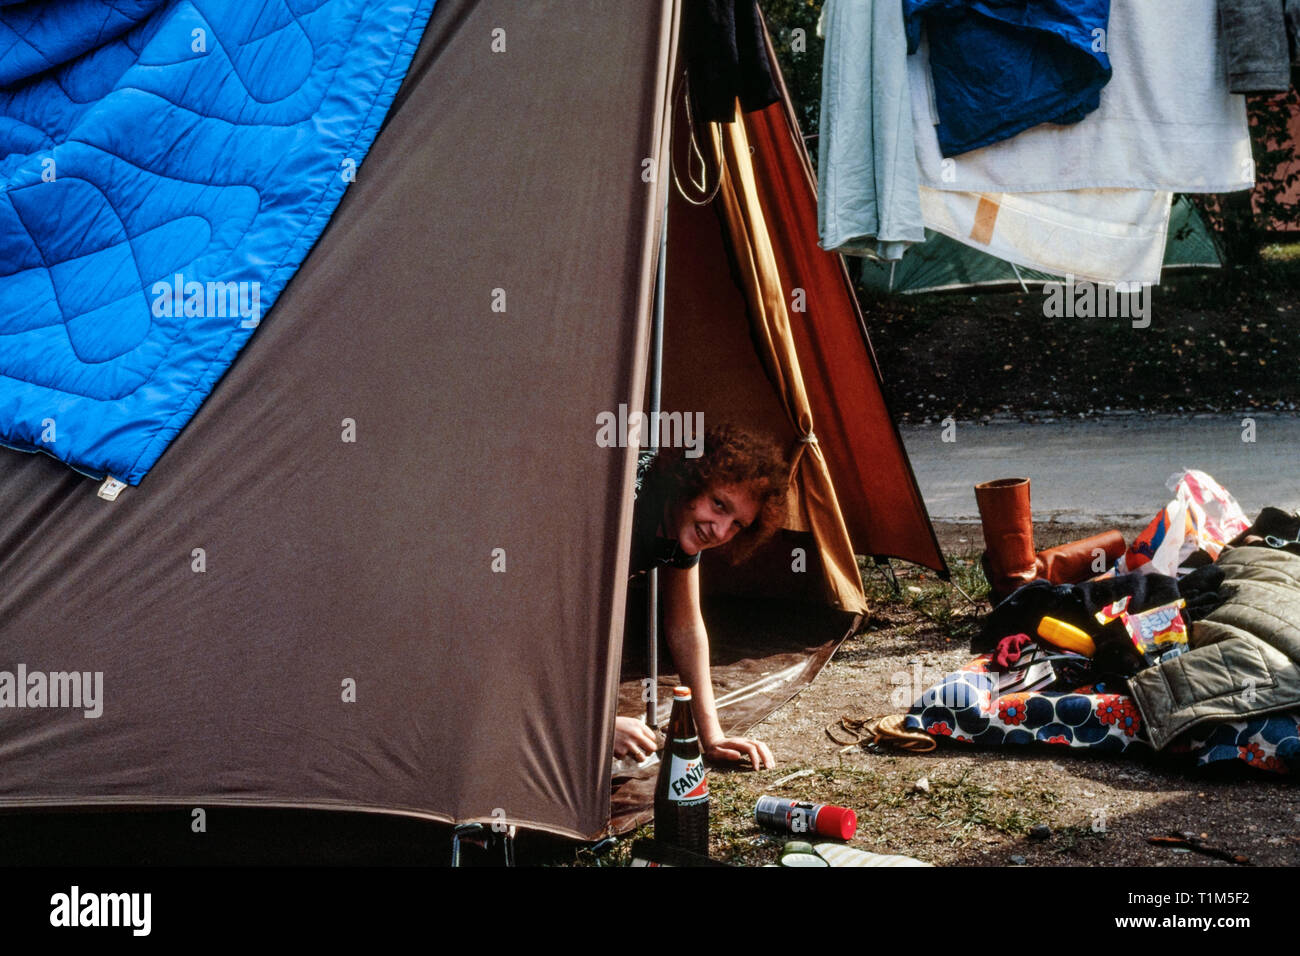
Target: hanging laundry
<point>726,58</point>
<point>867,200</point>
<point>867,185</point>
<point>1002,66</point>
<point>1261,39</point>
<point>1166,120</point>
<point>1094,235</point>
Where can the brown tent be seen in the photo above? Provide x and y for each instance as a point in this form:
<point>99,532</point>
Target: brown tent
<point>427,620</point>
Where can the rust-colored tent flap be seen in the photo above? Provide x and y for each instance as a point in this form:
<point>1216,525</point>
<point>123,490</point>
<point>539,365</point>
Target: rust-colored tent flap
<point>752,253</point>
<point>874,484</point>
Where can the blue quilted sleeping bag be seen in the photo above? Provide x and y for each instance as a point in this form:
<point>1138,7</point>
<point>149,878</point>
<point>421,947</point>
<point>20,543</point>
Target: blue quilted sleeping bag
<point>165,166</point>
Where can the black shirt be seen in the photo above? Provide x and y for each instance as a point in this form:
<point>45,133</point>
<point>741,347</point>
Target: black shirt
<point>649,548</point>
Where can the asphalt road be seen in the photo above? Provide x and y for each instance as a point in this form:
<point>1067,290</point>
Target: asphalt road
<point>1110,468</point>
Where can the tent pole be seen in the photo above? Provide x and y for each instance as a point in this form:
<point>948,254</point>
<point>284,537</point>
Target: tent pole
<point>1019,278</point>
<point>651,687</point>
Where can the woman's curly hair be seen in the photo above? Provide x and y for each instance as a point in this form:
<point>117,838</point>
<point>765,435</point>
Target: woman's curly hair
<point>731,456</point>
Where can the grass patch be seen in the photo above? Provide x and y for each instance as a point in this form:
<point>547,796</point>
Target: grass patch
<point>893,815</point>
<point>924,594</point>
<point>1281,252</point>
<point>960,806</point>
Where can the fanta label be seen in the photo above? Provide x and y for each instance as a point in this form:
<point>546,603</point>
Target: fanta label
<point>688,780</point>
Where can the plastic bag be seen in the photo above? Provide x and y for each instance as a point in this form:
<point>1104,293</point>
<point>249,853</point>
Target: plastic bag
<point>1202,516</point>
<point>1158,630</point>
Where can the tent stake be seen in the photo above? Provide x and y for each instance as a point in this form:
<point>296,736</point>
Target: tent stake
<point>962,592</point>
<point>651,688</point>
<point>887,570</point>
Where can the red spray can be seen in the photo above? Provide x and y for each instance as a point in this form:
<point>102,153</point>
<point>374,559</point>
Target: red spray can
<point>797,817</point>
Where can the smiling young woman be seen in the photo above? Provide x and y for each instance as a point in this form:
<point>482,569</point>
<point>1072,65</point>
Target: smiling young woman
<point>732,497</point>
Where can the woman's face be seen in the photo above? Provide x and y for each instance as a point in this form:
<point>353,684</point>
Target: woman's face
<point>713,518</point>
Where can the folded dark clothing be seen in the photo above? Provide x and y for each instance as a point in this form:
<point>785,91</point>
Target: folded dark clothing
<point>1075,604</point>
<point>998,67</point>
<point>726,59</point>
<point>1272,522</point>
<point>1144,591</point>
<point>1260,43</point>
<point>1200,590</point>
<point>1021,612</point>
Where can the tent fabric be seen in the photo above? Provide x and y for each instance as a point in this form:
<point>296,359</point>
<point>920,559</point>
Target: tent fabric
<point>327,560</point>
<point>770,322</point>
<point>1000,67</point>
<point>713,368</point>
<point>398,491</point>
<point>1190,244</point>
<point>877,492</point>
<point>1100,235</point>
<point>166,168</point>
<point>1166,119</point>
<point>942,264</point>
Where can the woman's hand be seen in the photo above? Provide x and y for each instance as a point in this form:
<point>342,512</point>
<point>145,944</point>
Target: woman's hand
<point>632,738</point>
<point>736,749</point>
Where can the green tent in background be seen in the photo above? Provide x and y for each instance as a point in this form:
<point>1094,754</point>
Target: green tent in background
<point>941,264</point>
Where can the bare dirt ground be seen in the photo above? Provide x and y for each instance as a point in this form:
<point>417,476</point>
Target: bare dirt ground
<point>958,805</point>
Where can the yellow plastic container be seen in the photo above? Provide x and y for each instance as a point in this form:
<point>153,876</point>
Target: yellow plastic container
<point>1066,636</point>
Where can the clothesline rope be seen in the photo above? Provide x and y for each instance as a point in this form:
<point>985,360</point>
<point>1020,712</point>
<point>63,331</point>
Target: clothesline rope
<point>694,149</point>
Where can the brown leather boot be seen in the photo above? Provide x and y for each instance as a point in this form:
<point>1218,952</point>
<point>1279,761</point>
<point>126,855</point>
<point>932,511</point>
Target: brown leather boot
<point>1074,562</point>
<point>1008,534</point>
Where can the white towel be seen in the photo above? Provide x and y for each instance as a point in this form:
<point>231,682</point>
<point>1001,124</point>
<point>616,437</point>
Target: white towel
<point>1099,235</point>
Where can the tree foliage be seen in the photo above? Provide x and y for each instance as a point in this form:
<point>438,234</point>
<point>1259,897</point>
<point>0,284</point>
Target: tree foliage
<point>800,57</point>
<point>1244,220</point>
